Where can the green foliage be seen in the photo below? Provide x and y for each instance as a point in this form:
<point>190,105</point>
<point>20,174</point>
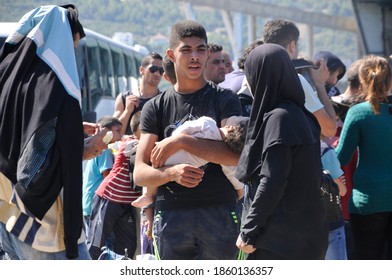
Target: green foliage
<point>146,18</point>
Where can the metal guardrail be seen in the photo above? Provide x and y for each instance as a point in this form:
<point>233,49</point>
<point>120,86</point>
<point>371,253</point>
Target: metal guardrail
<point>268,10</point>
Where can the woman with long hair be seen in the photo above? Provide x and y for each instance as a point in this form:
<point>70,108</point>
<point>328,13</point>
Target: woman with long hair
<point>368,128</point>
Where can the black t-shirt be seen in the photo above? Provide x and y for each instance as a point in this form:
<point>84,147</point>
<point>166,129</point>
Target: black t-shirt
<point>162,114</point>
<point>142,101</point>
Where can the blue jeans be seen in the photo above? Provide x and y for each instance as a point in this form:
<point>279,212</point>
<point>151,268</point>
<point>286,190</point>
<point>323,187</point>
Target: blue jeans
<point>337,245</point>
<point>207,233</point>
<point>18,250</point>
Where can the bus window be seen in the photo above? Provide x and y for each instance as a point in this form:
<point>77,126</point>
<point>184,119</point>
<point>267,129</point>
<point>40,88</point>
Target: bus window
<point>119,70</point>
<point>138,63</point>
<point>81,64</point>
<point>95,88</point>
<point>131,70</point>
<point>107,79</point>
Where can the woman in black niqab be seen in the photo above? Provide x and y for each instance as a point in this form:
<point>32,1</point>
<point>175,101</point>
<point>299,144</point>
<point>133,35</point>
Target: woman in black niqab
<point>281,163</point>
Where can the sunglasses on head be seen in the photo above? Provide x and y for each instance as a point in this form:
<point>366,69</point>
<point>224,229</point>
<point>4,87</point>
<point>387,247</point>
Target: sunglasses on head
<point>154,68</point>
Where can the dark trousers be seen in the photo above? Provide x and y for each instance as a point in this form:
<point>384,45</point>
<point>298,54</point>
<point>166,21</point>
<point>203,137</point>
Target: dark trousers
<point>111,219</point>
<point>372,235</point>
<point>208,233</point>
<point>349,240</point>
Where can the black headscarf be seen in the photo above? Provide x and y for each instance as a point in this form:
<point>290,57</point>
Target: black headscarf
<point>274,84</point>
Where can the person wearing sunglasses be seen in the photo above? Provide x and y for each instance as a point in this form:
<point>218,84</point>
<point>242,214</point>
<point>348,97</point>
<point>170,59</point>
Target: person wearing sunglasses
<point>129,102</point>
<point>153,69</point>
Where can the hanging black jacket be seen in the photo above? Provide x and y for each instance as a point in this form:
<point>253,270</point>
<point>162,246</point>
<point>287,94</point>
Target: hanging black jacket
<point>41,131</point>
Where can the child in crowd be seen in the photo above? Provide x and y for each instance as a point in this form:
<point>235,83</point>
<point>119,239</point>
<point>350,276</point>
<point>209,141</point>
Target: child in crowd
<point>112,214</point>
<point>337,239</point>
<point>233,133</point>
<point>98,168</point>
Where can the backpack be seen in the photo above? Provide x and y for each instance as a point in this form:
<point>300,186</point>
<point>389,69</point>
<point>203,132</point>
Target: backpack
<point>329,191</point>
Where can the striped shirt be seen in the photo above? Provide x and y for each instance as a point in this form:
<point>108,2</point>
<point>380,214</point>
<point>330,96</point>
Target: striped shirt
<point>116,187</point>
<point>46,235</point>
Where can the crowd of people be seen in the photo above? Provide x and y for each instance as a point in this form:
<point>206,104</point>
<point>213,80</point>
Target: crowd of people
<point>225,164</point>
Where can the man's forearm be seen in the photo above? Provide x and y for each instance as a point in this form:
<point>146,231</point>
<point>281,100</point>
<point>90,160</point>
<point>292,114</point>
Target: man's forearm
<point>124,118</point>
<point>326,116</point>
<point>323,96</point>
<point>210,150</point>
<point>89,151</point>
<point>147,176</point>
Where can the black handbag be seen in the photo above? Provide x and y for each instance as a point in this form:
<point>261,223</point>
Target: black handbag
<point>330,198</point>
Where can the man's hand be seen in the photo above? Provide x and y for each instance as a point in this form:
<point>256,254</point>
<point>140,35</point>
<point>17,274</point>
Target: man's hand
<point>187,175</point>
<point>90,128</point>
<point>131,102</point>
<point>164,149</point>
<point>321,74</point>
<point>94,145</point>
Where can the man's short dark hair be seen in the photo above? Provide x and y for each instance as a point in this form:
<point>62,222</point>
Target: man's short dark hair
<point>281,32</point>
<point>246,52</point>
<point>215,48</point>
<point>168,66</point>
<point>185,29</point>
<point>150,57</point>
<point>135,121</point>
<point>108,122</point>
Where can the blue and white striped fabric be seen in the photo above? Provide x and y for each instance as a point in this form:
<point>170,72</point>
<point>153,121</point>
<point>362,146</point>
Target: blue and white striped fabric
<point>49,28</point>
